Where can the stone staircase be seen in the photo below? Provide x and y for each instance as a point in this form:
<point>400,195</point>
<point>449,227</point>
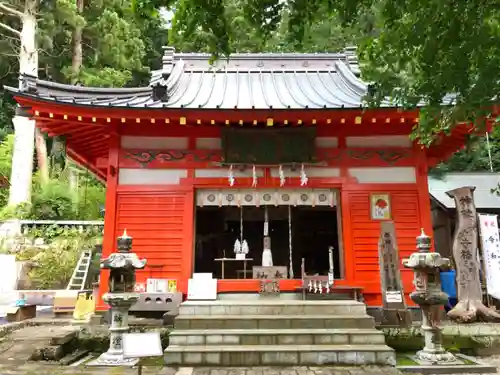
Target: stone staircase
<point>269,332</point>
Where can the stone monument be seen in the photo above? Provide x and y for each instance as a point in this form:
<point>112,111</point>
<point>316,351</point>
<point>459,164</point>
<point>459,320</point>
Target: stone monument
<point>470,307</point>
<point>428,295</point>
<point>120,298</point>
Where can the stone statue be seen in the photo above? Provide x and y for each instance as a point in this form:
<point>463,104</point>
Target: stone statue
<point>470,306</point>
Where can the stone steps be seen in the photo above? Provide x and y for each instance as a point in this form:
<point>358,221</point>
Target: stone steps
<point>273,307</point>
<point>277,337</point>
<point>275,331</point>
<point>271,355</point>
<point>272,322</point>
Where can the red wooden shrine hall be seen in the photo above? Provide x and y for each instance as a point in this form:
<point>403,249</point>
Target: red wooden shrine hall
<point>163,152</point>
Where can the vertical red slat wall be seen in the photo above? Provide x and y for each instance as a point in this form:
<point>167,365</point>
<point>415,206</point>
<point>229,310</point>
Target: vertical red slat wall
<point>161,231</point>
<point>365,234</point>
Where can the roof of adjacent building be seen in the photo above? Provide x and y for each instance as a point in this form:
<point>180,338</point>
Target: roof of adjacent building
<point>245,81</point>
<point>483,182</point>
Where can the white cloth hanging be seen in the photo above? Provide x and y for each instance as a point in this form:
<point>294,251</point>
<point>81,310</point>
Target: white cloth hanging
<point>267,258</point>
<point>244,247</point>
<point>237,246</point>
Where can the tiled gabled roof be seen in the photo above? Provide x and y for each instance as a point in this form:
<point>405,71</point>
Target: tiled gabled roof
<point>245,81</point>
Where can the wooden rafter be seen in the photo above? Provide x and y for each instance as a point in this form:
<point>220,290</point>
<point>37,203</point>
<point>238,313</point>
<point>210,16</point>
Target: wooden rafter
<point>84,162</point>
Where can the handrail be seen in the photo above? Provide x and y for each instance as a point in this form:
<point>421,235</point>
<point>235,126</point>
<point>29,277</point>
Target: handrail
<point>61,222</point>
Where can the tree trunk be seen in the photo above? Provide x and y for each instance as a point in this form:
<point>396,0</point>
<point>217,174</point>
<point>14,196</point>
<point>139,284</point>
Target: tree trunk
<point>42,156</point>
<point>28,56</point>
<point>77,58</point>
<point>24,127</point>
<point>470,306</point>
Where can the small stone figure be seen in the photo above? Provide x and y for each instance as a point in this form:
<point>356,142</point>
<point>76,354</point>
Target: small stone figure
<point>120,298</point>
<point>430,298</point>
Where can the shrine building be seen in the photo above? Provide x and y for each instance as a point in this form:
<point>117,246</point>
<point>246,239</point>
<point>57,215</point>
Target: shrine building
<point>259,152</point>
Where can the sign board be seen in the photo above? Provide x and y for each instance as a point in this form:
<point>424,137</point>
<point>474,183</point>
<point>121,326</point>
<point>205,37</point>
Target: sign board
<point>330,278</point>
<point>172,286</point>
<point>393,297</point>
<point>269,146</point>
<point>395,312</point>
<point>141,345</point>
<point>161,286</point>
<point>490,243</point>
<point>202,289</point>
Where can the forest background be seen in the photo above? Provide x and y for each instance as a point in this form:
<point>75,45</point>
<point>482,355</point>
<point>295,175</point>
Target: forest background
<point>117,43</point>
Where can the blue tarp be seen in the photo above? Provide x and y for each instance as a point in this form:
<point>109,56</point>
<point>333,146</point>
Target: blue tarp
<point>448,284</point>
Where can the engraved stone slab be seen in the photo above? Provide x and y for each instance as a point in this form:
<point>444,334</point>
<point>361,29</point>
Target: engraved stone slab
<point>395,312</point>
<point>270,273</point>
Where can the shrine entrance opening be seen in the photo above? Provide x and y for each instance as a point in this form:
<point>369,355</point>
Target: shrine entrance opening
<point>305,228</point>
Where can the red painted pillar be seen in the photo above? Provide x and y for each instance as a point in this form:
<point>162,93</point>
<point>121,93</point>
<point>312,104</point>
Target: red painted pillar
<point>108,244</point>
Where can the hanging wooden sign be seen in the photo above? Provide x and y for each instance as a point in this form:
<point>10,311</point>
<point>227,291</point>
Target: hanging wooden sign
<point>394,312</point>
<point>269,146</point>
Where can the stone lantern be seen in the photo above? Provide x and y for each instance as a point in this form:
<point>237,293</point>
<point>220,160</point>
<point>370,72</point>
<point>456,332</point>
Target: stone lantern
<point>429,296</point>
<point>120,297</point>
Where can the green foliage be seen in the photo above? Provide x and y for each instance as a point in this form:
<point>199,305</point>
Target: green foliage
<point>54,263</point>
<point>6,148</point>
<point>52,201</point>
<point>325,35</point>
<point>118,41</point>
<point>417,51</point>
<point>474,157</point>
<point>59,200</point>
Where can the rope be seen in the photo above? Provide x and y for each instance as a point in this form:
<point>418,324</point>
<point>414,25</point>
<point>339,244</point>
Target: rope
<point>290,239</point>
<point>241,225</point>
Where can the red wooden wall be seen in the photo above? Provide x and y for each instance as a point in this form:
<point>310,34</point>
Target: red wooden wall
<point>364,235</point>
<point>160,228</point>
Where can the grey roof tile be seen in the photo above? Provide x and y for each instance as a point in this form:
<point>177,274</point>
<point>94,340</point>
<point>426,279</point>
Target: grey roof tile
<point>245,81</point>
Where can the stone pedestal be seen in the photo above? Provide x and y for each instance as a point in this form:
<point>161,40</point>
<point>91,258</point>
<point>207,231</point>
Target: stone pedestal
<point>120,305</point>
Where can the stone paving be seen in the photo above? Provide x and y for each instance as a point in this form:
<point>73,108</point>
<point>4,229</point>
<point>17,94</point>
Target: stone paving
<point>39,368</point>
<point>47,369</point>
<point>44,369</point>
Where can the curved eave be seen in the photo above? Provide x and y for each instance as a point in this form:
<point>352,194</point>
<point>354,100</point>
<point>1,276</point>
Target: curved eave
<point>31,101</point>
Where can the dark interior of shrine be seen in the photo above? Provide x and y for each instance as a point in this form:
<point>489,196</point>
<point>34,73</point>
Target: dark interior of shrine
<point>313,230</point>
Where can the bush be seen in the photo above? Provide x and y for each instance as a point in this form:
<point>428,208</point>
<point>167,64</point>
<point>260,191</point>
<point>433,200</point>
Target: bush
<point>58,200</point>
<point>53,201</point>
<point>6,149</point>
<point>55,262</point>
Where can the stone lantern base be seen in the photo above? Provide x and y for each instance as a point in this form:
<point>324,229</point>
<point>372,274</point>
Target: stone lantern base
<point>425,357</point>
<point>120,304</point>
